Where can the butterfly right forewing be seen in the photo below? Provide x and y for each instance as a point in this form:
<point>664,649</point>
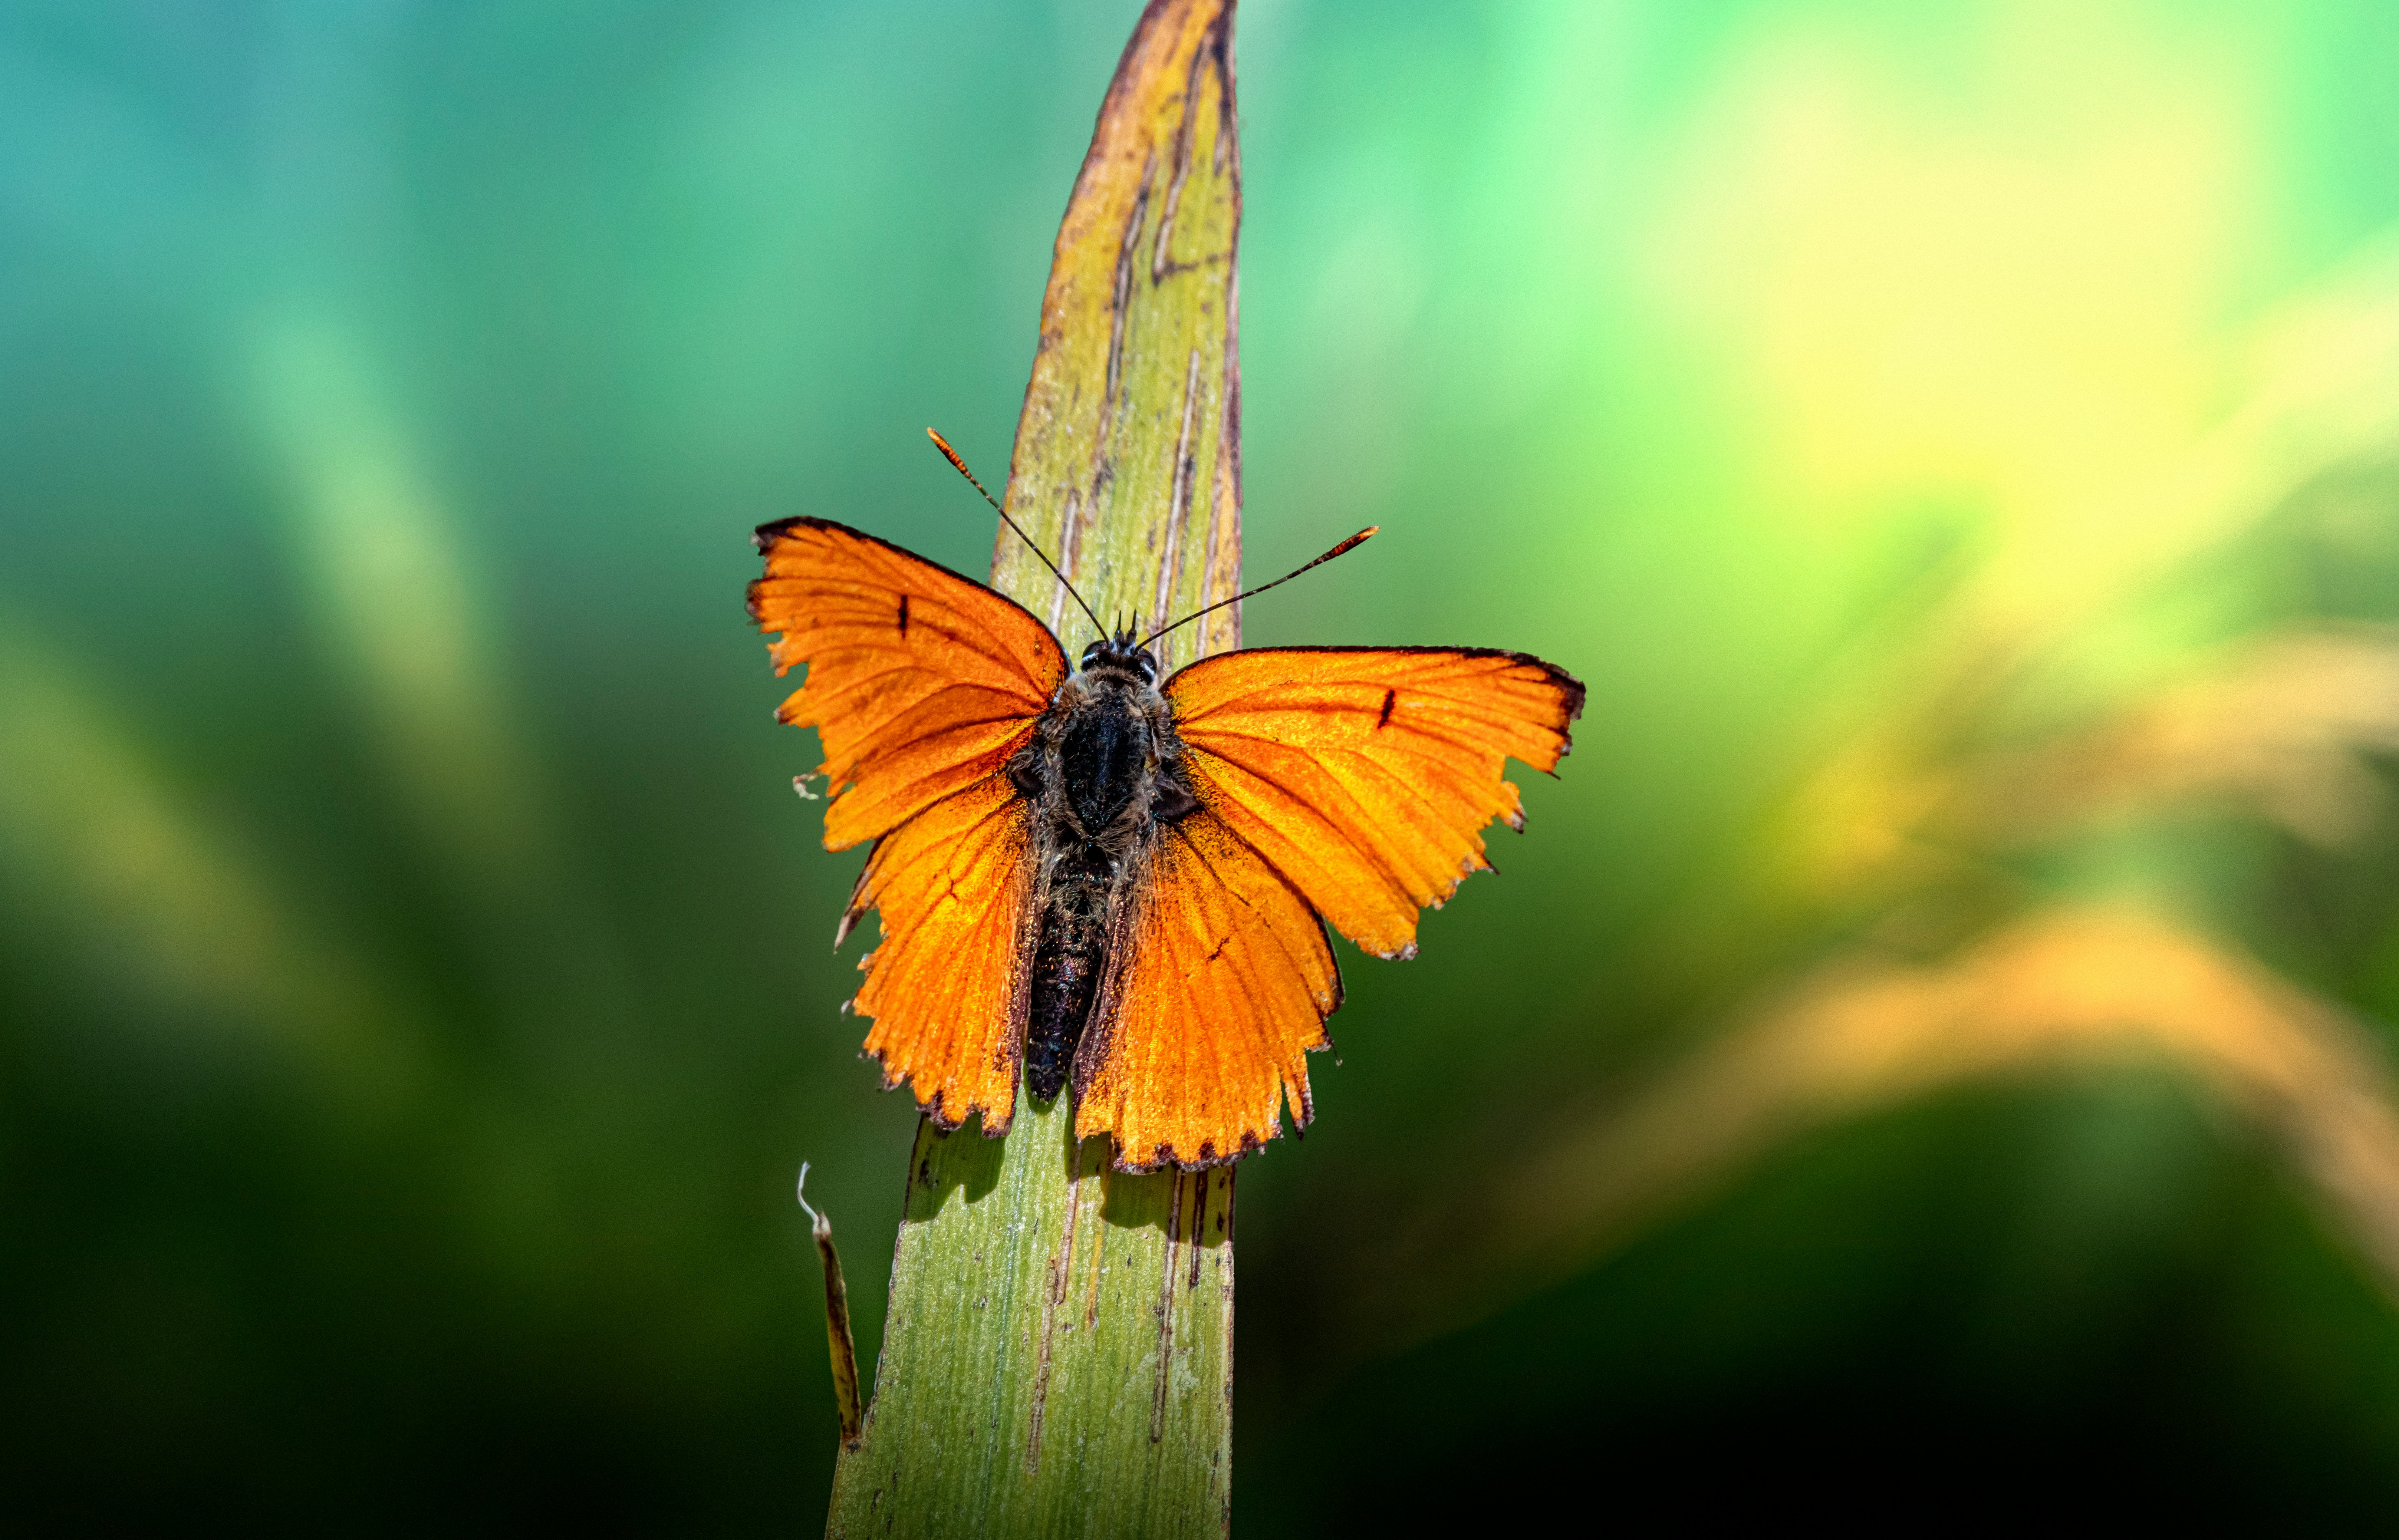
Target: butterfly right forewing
<point>1368,775</point>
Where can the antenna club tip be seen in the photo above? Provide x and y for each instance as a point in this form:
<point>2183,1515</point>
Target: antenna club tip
<point>1370,532</point>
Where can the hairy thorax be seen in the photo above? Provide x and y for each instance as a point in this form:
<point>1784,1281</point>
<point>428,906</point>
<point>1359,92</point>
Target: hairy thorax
<point>1105,772</point>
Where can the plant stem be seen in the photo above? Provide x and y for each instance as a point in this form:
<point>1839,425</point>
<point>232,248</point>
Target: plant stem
<point>1058,1355</point>
<point>1057,1358</point>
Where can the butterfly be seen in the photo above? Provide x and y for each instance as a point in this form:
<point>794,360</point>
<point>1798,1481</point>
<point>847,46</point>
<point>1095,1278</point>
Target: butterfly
<point>1092,878</point>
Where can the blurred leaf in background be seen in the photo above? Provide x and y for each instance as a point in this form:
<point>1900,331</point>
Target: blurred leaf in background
<point>1937,1035</point>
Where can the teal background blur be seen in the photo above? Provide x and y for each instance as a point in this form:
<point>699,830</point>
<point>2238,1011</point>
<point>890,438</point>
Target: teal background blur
<point>414,972</point>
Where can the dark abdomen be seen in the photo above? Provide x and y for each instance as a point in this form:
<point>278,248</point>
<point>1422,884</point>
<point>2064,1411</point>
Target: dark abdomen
<point>1066,965</point>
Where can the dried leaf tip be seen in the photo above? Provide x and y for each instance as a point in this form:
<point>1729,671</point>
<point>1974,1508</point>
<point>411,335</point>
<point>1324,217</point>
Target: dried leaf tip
<point>837,1338</point>
<point>820,1226</point>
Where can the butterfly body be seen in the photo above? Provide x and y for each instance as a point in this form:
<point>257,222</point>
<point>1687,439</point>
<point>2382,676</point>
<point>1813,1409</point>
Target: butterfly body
<point>1103,772</point>
<point>1096,879</point>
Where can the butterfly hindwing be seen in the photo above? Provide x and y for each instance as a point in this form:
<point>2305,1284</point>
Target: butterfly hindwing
<point>920,683</point>
<point>1219,990</point>
<point>945,986</point>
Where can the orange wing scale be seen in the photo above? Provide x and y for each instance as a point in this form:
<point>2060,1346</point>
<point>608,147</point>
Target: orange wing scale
<point>943,986</point>
<point>1367,776</point>
<point>920,683</point>
<point>1350,784</point>
<point>1222,989</point>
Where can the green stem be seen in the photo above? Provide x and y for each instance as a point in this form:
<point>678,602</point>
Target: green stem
<point>1058,1353</point>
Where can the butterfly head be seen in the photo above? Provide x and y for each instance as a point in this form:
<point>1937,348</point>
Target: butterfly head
<point>1122,651</point>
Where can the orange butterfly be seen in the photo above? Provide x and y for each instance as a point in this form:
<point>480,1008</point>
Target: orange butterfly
<point>1100,880</point>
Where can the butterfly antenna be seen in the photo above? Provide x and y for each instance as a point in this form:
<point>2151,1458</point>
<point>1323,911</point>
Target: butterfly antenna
<point>951,456</point>
<point>1346,546</point>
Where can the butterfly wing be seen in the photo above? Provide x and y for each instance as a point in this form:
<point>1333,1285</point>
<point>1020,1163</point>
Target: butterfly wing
<point>1353,784</point>
<point>920,684</point>
<point>944,986</point>
<point>1367,776</point>
<point>1220,987</point>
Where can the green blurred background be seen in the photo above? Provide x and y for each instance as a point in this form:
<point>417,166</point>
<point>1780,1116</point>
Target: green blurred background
<point>1926,1058</point>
